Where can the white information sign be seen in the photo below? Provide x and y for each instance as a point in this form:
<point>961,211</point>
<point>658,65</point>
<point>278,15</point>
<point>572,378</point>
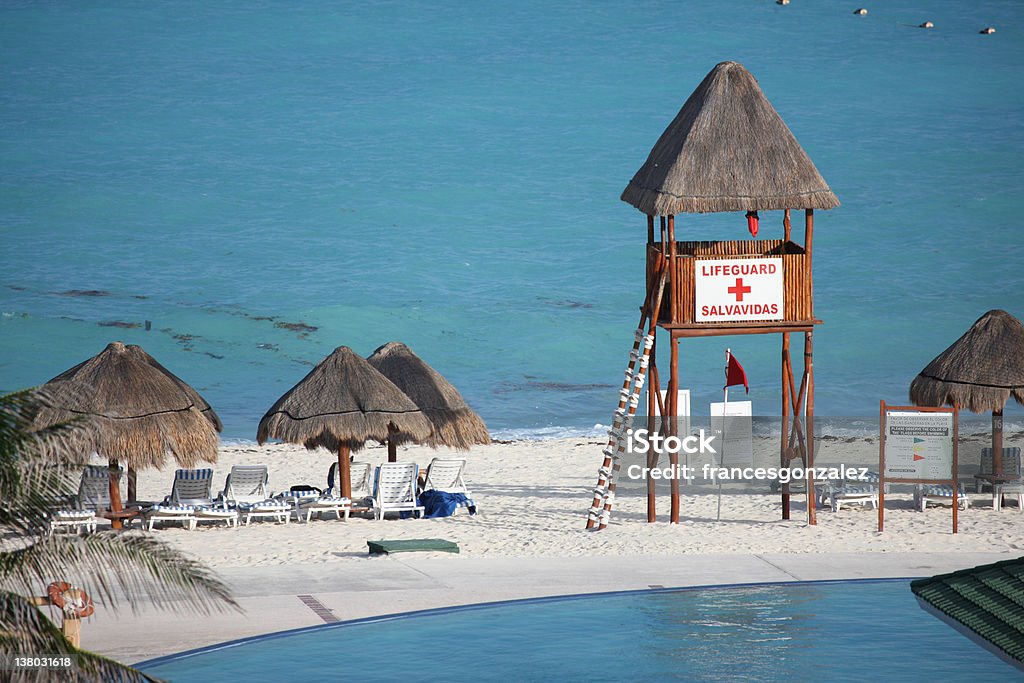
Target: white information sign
<point>918,445</point>
<point>737,443</point>
<point>738,289</point>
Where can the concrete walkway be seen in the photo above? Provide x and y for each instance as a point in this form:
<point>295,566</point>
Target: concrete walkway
<point>286,597</point>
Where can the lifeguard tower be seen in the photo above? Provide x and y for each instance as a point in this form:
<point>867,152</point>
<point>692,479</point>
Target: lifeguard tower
<point>727,150</point>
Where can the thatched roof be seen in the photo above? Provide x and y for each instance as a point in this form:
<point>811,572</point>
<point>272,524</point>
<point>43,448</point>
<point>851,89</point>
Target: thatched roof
<point>343,400</point>
<point>727,150</point>
<point>454,423</point>
<point>140,412</point>
<point>198,400</point>
<point>980,371</point>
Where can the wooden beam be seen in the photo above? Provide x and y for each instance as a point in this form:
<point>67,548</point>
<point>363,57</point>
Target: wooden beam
<point>653,396</point>
<point>722,329</point>
<point>115,493</point>
<point>812,512</point>
<point>997,442</point>
<point>344,472</point>
<point>784,446</point>
<point>673,412</point>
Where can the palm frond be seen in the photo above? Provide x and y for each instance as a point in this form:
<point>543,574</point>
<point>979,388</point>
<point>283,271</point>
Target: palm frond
<point>114,567</point>
<point>25,631</point>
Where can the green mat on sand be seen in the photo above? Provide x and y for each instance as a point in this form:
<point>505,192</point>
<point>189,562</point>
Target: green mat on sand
<point>436,545</point>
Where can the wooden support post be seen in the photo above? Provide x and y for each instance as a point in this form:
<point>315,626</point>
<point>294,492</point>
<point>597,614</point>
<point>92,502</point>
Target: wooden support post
<point>812,512</point>
<point>672,417</point>
<point>115,493</point>
<point>392,446</point>
<point>653,393</point>
<point>808,238</point>
<point>650,230</point>
<point>786,227</point>
<point>72,630</point>
<point>997,442</point>
<point>784,448</point>
<point>133,486</point>
<point>344,471</point>
<point>673,286</point>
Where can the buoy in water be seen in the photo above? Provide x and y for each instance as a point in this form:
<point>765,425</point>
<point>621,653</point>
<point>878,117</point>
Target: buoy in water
<point>988,30</point>
<point>861,11</point>
<point>781,2</point>
<point>927,24</point>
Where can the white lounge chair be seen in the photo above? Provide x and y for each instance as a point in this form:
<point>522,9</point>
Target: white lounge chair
<point>448,475</point>
<point>190,502</point>
<point>93,496</point>
<point>359,475</point>
<point>245,484</point>
<point>862,491</point>
<point>940,494</point>
<point>394,489</point>
<point>311,501</point>
<point>1008,488</point>
<point>1011,465</point>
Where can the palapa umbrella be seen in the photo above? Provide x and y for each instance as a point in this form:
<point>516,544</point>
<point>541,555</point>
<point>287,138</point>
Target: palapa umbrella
<point>979,371</point>
<point>727,150</point>
<point>140,411</point>
<point>339,405</point>
<point>454,423</point>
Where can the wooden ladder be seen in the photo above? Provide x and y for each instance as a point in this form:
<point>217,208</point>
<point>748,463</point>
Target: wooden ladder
<point>629,398</point>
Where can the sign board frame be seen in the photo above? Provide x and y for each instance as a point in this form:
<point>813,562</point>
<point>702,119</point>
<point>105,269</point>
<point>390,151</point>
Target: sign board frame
<point>715,280</point>
<point>883,413</point>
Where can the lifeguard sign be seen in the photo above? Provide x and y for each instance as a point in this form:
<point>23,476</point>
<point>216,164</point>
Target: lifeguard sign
<point>917,446</point>
<point>728,290</point>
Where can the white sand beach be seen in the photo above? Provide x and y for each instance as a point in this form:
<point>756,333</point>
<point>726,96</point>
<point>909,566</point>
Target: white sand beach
<point>533,497</point>
<point>528,540</point>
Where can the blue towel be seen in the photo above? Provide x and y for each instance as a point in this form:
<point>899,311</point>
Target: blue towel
<point>443,504</point>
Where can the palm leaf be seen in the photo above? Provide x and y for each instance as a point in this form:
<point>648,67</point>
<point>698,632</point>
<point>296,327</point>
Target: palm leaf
<point>114,567</point>
<point>25,631</point>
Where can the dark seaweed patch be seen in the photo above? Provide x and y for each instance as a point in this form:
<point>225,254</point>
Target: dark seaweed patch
<point>119,323</point>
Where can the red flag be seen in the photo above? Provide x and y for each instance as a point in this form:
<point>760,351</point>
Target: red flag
<point>735,374</point>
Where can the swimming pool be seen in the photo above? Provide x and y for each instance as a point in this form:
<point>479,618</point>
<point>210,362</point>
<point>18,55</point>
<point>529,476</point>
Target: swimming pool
<point>854,630</point>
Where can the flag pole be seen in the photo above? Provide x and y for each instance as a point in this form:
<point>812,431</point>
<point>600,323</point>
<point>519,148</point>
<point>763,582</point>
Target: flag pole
<point>725,418</point>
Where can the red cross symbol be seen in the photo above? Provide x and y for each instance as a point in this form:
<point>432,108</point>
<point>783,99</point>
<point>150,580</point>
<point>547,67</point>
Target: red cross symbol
<point>739,289</point>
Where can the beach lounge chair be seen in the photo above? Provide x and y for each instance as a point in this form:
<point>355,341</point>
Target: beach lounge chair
<point>862,491</point>
<point>245,484</point>
<point>93,497</point>
<point>448,475</point>
<point>190,502</point>
<point>394,489</point>
<point>939,494</point>
<point>245,489</point>
<point>1011,465</point>
<point>1008,488</point>
<point>359,475</point>
<point>311,501</point>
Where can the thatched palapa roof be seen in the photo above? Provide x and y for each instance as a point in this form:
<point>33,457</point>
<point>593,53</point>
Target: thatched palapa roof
<point>454,423</point>
<point>343,400</point>
<point>198,400</point>
<point>727,150</point>
<point>138,409</point>
<point>980,370</point>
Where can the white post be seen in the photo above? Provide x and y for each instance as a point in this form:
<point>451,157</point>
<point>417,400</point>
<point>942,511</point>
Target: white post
<point>725,417</point>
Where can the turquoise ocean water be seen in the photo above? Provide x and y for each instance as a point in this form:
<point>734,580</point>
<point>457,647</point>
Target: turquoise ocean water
<point>447,174</point>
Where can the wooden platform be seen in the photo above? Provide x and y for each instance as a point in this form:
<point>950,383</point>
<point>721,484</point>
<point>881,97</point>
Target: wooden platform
<point>436,545</point>
<point>720,329</point>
